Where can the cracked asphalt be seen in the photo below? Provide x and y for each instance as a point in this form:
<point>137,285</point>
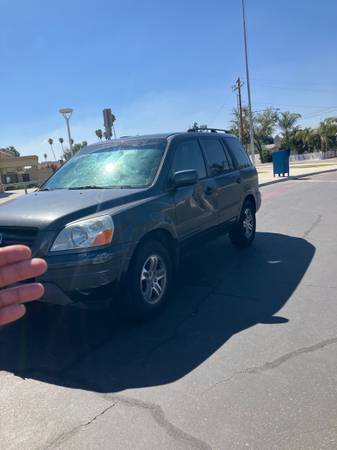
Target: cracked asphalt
<point>244,357</point>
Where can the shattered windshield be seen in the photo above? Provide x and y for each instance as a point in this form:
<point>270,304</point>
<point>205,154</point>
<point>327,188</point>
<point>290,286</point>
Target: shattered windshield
<point>121,165</point>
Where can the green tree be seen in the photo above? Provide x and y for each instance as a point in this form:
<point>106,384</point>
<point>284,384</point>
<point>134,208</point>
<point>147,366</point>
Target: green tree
<point>61,140</point>
<point>287,122</point>
<point>235,124</point>
<point>304,140</point>
<point>76,147</point>
<point>99,134</point>
<point>11,150</point>
<point>264,127</point>
<point>51,142</point>
<point>327,131</point>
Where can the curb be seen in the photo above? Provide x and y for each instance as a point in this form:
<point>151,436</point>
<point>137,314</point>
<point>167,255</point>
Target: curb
<point>295,177</point>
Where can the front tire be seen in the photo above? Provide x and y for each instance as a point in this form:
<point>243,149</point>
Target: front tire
<point>243,232</point>
<point>149,280</point>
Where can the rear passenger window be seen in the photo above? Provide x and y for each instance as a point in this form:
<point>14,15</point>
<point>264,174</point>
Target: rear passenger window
<point>215,156</point>
<point>188,156</point>
<point>238,152</point>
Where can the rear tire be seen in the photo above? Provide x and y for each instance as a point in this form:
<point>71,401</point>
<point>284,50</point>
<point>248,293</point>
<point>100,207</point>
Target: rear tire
<point>243,232</point>
<point>149,281</point>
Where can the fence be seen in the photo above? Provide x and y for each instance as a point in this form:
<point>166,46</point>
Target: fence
<point>313,155</point>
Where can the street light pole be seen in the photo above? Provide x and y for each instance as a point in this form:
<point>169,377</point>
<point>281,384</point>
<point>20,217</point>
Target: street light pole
<point>251,130</point>
<point>66,113</point>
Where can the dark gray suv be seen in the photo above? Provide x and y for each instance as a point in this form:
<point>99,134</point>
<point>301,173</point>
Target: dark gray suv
<point>120,212</point>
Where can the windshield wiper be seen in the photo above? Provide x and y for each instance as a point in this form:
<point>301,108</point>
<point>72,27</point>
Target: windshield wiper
<point>51,189</point>
<point>88,186</point>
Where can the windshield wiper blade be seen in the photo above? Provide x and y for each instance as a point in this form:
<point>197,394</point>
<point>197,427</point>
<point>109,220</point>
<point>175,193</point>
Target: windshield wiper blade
<point>88,186</point>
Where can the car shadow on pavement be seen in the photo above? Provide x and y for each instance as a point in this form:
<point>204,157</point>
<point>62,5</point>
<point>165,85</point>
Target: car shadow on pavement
<point>220,291</point>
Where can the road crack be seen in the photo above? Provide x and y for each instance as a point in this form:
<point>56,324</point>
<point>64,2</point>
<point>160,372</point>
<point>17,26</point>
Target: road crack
<point>158,415</point>
<point>69,434</point>
<point>318,286</point>
<point>276,363</point>
<point>313,226</point>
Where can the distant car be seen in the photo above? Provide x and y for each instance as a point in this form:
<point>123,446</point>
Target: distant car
<point>119,213</point>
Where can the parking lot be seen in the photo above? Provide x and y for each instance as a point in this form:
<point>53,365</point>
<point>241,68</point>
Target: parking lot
<point>244,356</point>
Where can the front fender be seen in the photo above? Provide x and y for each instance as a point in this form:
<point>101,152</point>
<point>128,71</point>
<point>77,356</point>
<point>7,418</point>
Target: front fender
<point>157,213</point>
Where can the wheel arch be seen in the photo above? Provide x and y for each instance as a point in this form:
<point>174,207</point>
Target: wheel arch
<point>250,198</point>
<point>166,238</point>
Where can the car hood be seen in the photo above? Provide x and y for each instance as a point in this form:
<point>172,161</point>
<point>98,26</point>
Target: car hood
<point>52,209</point>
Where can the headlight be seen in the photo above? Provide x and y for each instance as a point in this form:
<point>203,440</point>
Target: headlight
<point>85,233</point>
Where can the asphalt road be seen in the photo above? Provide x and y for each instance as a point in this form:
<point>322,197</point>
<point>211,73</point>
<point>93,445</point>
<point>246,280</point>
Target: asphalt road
<point>244,357</point>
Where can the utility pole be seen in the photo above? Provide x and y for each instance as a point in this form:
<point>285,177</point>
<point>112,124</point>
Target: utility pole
<point>251,130</point>
<point>237,87</point>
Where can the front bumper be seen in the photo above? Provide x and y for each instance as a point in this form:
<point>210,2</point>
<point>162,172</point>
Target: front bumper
<point>72,278</point>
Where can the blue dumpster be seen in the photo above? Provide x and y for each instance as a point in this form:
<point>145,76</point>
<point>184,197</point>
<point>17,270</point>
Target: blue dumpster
<point>281,162</point>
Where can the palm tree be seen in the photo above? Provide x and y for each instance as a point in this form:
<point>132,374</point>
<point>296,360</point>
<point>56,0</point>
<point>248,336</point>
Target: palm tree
<point>61,140</point>
<point>45,156</point>
<point>327,131</point>
<point>287,123</point>
<point>50,142</point>
<point>264,126</point>
<point>99,134</point>
<point>300,139</point>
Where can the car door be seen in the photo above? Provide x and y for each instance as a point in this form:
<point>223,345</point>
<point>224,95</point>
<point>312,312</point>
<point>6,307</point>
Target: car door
<point>243,162</point>
<point>248,175</point>
<point>196,205</point>
<point>226,178</point>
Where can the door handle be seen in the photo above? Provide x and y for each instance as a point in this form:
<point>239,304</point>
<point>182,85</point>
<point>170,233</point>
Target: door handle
<point>208,190</point>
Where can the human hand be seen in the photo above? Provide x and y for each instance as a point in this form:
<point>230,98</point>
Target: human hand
<point>16,264</point>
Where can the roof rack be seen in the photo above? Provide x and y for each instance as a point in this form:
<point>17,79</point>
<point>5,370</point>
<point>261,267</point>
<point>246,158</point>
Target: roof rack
<point>202,128</point>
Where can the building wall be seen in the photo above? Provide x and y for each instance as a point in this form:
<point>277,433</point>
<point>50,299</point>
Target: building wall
<point>44,174</point>
<point>17,170</point>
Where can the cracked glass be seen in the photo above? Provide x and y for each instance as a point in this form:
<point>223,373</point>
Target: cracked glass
<point>124,165</point>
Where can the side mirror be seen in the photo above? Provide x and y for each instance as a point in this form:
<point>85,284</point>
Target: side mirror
<point>185,178</point>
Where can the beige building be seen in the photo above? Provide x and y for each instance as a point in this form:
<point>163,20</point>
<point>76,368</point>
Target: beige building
<point>18,171</point>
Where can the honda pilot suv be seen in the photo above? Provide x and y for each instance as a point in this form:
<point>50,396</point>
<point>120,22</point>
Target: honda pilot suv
<point>120,213</point>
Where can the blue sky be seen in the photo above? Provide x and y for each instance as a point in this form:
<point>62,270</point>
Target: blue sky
<point>159,65</point>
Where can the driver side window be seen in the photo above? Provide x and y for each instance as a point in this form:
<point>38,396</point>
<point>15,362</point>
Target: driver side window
<point>188,156</point>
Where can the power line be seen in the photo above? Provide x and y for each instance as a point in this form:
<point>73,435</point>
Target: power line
<point>319,113</point>
<point>291,88</point>
<point>296,105</point>
<point>298,83</point>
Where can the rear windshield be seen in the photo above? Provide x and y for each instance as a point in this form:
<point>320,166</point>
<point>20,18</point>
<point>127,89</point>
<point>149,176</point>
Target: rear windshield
<point>131,164</point>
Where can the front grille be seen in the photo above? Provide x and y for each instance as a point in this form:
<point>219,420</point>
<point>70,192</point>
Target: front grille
<point>17,235</point>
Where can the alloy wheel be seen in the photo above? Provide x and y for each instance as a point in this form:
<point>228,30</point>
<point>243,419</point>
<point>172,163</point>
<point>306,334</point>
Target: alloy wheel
<point>248,223</point>
<point>153,279</point>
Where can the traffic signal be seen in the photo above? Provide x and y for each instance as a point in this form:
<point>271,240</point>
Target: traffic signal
<point>109,119</point>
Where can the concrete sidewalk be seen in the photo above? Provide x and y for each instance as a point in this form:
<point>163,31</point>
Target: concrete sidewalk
<point>298,168</point>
